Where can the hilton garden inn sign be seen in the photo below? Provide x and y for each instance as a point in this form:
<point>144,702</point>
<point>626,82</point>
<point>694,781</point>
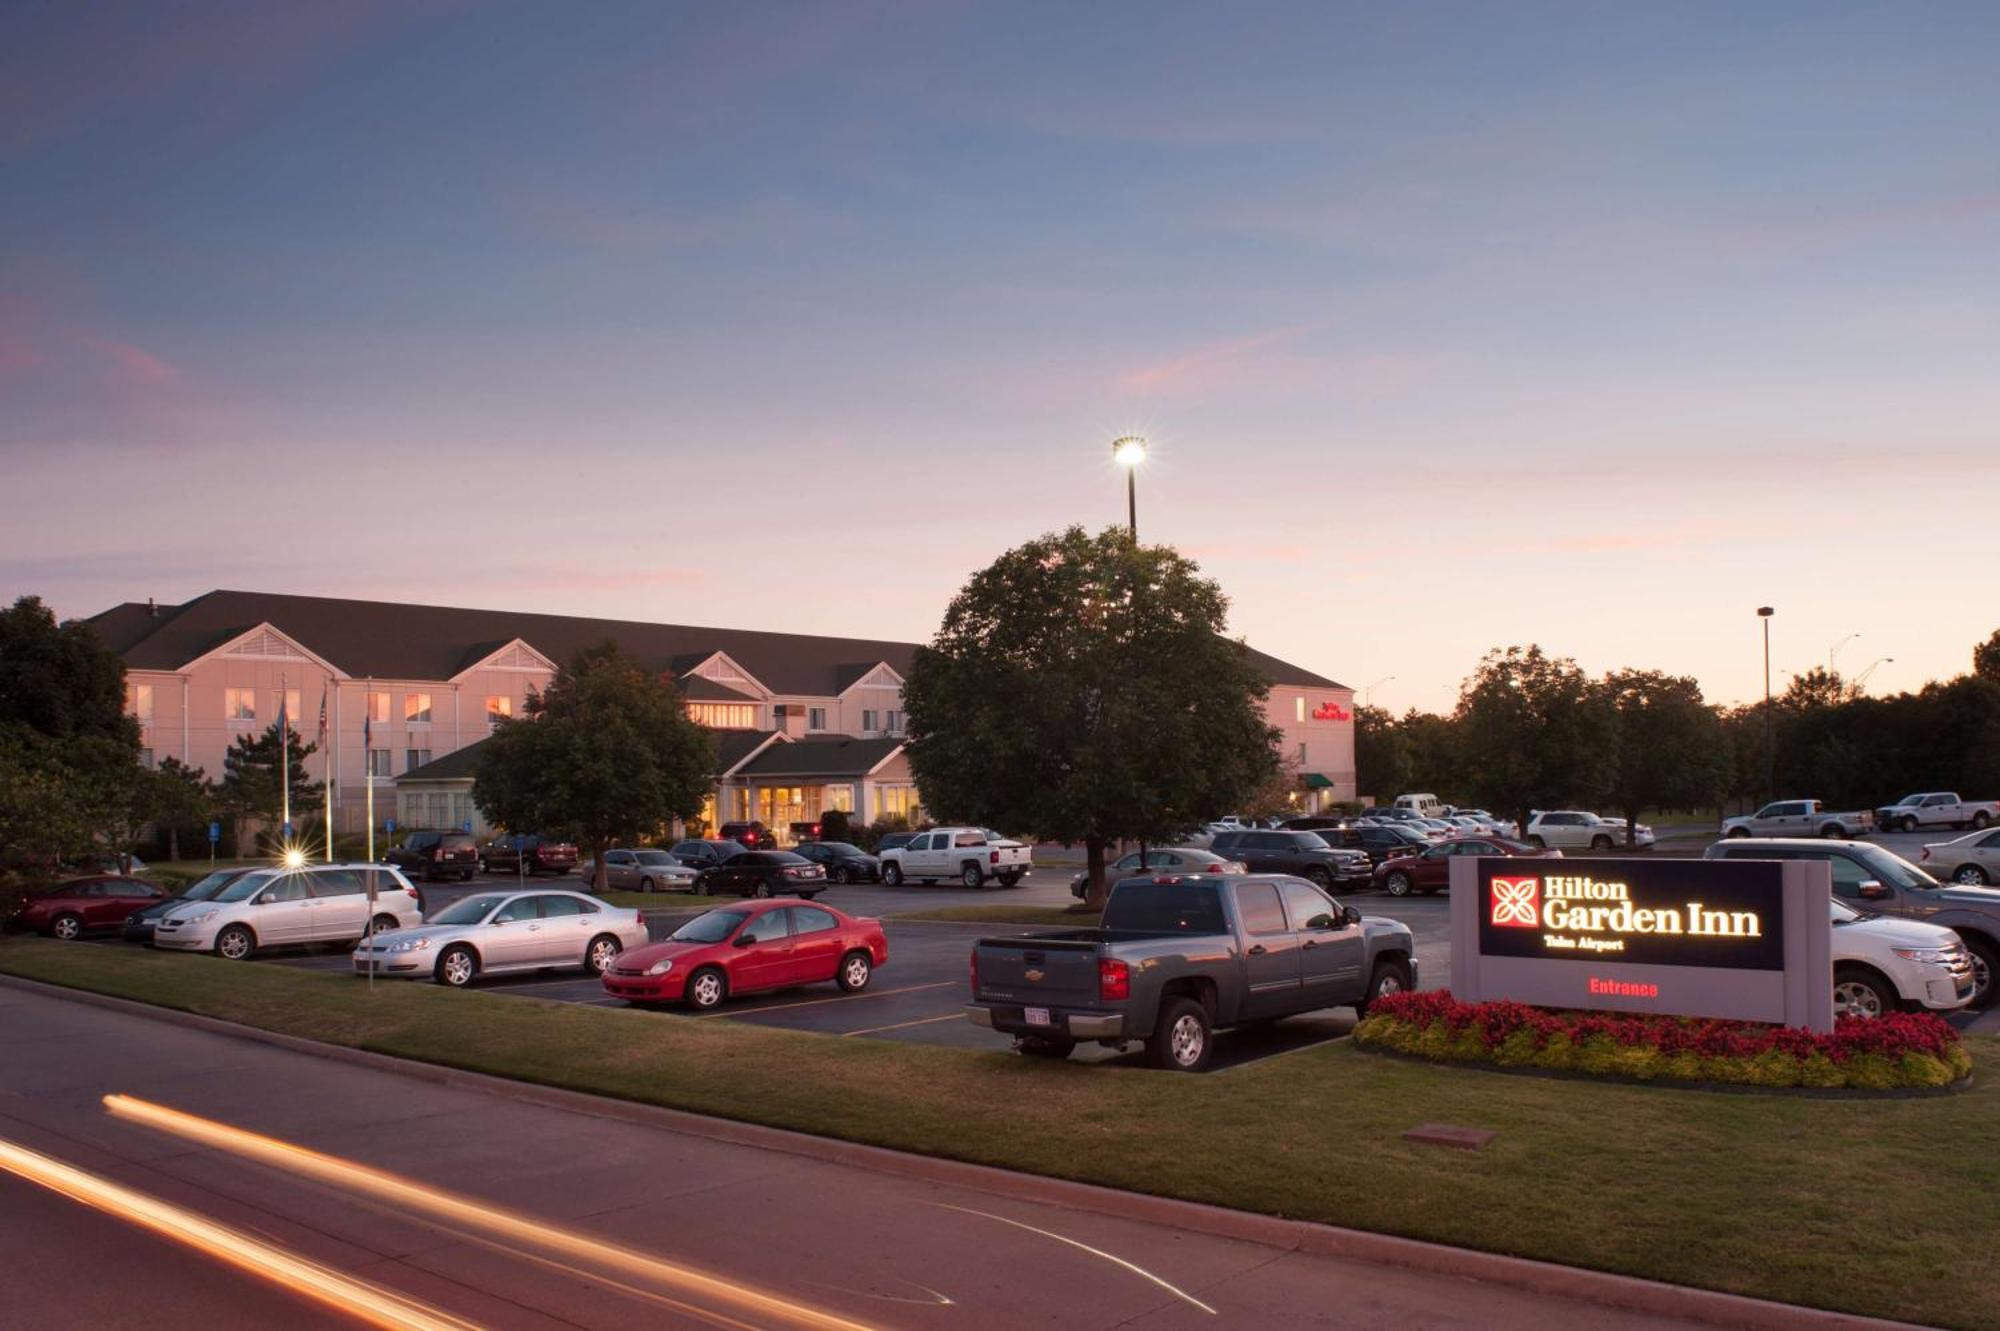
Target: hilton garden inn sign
<point>1746,939</point>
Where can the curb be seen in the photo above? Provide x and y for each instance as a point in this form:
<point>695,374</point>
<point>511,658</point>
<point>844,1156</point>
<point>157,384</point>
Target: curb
<point>1625,1293</point>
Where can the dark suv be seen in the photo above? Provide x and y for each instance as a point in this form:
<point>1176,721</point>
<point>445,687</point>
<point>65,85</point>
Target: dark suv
<point>437,855</point>
<point>706,854</point>
<point>751,835</point>
<point>1303,854</point>
<point>538,854</point>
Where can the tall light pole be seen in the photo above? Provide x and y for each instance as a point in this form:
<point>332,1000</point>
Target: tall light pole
<point>1129,452</point>
<point>1368,690</point>
<point>1861,680</point>
<point>1834,650</point>
<point>1764,612</point>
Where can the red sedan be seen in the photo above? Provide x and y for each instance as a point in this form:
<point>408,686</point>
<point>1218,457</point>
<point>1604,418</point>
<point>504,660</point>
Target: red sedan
<point>1429,870</point>
<point>757,946</point>
<point>69,910</point>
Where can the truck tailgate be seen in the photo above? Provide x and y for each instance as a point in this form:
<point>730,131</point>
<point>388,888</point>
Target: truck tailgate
<point>1044,972</point>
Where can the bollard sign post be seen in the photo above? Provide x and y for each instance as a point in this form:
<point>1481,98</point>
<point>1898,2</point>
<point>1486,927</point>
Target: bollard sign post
<point>1750,940</point>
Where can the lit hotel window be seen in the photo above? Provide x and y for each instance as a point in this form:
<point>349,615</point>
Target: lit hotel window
<point>724,715</point>
<point>141,698</point>
<point>497,706</point>
<point>1299,707</point>
<point>239,704</point>
<point>417,709</point>
<point>378,708</point>
<point>291,702</point>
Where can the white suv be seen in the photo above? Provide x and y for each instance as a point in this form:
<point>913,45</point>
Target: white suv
<point>321,903</point>
<point>1881,964</point>
<point>1571,829</point>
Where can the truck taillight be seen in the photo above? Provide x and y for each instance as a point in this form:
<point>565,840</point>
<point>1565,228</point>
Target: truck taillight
<point>1114,980</point>
<point>972,964</point>
<point>994,858</point>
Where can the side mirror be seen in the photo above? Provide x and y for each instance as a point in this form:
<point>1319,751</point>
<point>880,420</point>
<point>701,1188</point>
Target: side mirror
<point>1873,891</point>
<point>745,940</point>
<point>1350,915</point>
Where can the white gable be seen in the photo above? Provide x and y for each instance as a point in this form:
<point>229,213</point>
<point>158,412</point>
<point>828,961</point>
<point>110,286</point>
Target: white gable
<point>723,670</point>
<point>265,643</point>
<point>517,656</point>
<point>881,677</point>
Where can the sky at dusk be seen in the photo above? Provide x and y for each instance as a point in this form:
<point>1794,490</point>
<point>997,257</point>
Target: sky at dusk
<point>1453,326</point>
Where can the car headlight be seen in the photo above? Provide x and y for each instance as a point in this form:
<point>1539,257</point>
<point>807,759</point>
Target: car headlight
<point>660,967</point>
<point>409,945</point>
<point>1939,954</point>
<point>201,915</point>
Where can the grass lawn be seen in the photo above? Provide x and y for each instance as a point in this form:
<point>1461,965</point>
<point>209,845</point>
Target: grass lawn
<point>1059,916</point>
<point>1884,1207</point>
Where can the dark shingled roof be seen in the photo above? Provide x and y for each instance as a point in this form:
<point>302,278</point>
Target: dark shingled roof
<point>700,688</point>
<point>389,640</point>
<point>823,755</point>
<point>459,764</point>
<point>733,746</point>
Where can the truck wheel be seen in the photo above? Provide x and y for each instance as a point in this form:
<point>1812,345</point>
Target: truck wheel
<point>1859,992</point>
<point>1980,820</point>
<point>1183,1039</point>
<point>1736,832</point>
<point>1537,842</point>
<point>972,876</point>
<point>1389,977</point>
<point>1010,880</point>
<point>892,874</point>
<point>1397,884</point>
<point>1985,961</point>
<point>1908,823</point>
<point>1043,1046</point>
<point>1318,874</point>
<point>1834,831</point>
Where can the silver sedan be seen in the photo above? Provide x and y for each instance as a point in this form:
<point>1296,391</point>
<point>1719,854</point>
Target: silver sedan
<point>491,933</point>
<point>641,871</point>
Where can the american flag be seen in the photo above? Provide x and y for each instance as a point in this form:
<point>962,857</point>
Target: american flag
<point>322,716</point>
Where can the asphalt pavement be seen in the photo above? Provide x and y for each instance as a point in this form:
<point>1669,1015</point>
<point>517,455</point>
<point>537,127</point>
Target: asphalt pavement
<point>476,1209</point>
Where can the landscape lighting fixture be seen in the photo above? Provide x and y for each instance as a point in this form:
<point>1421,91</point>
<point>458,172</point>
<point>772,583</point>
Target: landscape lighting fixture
<point>1129,452</point>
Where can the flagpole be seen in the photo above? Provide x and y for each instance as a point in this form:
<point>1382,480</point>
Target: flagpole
<point>331,776</point>
<point>367,770</point>
<point>284,759</point>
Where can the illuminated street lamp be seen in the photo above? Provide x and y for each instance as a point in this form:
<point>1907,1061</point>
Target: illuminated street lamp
<point>1764,612</point>
<point>1129,452</point>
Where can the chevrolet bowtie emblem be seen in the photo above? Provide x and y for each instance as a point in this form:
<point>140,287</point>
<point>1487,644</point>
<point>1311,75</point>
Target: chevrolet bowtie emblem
<point>1035,977</point>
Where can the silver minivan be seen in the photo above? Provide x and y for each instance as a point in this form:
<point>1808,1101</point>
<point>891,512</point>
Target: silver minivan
<point>318,903</point>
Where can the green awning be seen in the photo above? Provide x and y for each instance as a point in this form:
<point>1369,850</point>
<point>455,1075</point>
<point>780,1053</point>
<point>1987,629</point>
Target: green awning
<point>1315,781</point>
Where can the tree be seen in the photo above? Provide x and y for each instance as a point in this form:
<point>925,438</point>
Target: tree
<point>836,825</point>
<point>178,796</point>
<point>1381,754</point>
<point>1668,749</point>
<point>252,787</point>
<point>1986,658</point>
<point>1532,733</point>
<point>607,753</point>
<point>60,680</point>
<point>1080,689</point>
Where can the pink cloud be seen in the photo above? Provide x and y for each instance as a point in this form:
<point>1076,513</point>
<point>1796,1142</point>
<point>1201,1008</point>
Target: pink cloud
<point>134,367</point>
<point>591,578</point>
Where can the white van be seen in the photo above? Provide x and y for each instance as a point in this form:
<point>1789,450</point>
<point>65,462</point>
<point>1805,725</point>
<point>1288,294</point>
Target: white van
<point>1424,806</point>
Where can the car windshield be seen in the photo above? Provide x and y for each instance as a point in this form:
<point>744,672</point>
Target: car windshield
<point>710,928</point>
<point>471,910</point>
<point>245,887</point>
<point>655,857</point>
<point>1894,869</point>
<point>1309,841</point>
<point>204,888</point>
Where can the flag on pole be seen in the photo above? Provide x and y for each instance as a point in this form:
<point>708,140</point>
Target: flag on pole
<point>322,716</point>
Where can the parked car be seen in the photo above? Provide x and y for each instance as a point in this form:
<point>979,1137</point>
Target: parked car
<point>1871,879</point>
<point>71,909</point>
<point>1571,829</point>
<point>491,933</point>
<point>640,871</point>
<point>1882,964</point>
<point>1973,859</point>
<point>964,853</point>
<point>1437,829</point>
<point>537,854</point>
<point>1799,818</point>
<point>434,855</point>
<point>843,863</point>
<point>750,834</point>
<point>139,925</point>
<point>1179,958</point>
<point>748,949</point>
<point>763,873</point>
<point>324,903</point>
<point>1936,808</point>
<point>1170,859</point>
<point>1314,822</point>
<point>1429,870</point>
<point>699,855</point>
<point>1304,854</point>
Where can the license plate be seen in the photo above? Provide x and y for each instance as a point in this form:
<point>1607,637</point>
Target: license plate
<point>1037,1016</point>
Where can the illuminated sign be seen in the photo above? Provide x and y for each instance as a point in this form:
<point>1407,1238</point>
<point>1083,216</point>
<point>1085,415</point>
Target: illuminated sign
<point>1331,711</point>
<point>1747,939</point>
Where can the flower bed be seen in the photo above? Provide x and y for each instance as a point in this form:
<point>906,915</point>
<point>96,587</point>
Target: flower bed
<point>1899,1051</point>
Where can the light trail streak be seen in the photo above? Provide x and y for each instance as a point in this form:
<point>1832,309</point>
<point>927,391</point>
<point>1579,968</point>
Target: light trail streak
<point>1172,1289</point>
<point>462,1211</point>
<point>295,1274</point>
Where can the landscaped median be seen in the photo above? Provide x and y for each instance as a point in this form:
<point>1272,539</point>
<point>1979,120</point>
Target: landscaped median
<point>1883,1206</point>
<point>1059,917</point>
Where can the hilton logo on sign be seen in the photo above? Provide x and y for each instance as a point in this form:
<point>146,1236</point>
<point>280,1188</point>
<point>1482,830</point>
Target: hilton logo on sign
<point>1514,903</point>
<point>1667,915</point>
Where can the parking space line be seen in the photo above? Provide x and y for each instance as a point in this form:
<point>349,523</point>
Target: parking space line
<point>921,1021</point>
<point>837,998</point>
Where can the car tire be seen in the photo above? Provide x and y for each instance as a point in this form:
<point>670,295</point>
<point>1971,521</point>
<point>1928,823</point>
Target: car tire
<point>1010,880</point>
<point>1986,964</point>
<point>1389,977</point>
<point>383,924</point>
<point>645,884</point>
<point>707,989</point>
<point>456,967</point>
<point>1834,831</point>
<point>1908,824</point>
<point>763,891</point>
<point>603,950</point>
<point>700,887</point>
<point>1860,992</point>
<point>892,874</point>
<point>1044,1046</point>
<point>1969,874</point>
<point>1981,821</point>
<point>67,927</point>
<point>856,969</point>
<point>1600,842</point>
<point>1397,884</point>
<point>1737,833</point>
<point>1537,842</point>
<point>1318,875</point>
<point>235,943</point>
<point>467,876</point>
<point>1183,1039</point>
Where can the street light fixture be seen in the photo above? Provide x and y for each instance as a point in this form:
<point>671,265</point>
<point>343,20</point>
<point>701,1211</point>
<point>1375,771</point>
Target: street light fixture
<point>1861,680</point>
<point>1834,650</point>
<point>1129,452</point>
<point>1764,612</point>
<point>1368,690</point>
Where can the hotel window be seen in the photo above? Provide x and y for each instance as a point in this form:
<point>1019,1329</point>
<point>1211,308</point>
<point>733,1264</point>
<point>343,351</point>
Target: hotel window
<point>1299,707</point>
<point>437,809</point>
<point>724,715</point>
<point>140,698</point>
<point>892,722</point>
<point>897,802</point>
<point>417,709</point>
<point>867,721</point>
<point>145,757</point>
<point>839,797</point>
<point>239,704</point>
<point>378,762</point>
<point>378,708</point>
<point>290,698</point>
<point>497,706</point>
<point>415,758</point>
<point>815,718</point>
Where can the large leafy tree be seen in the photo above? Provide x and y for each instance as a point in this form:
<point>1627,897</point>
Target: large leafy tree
<point>1986,658</point>
<point>1668,749</point>
<point>606,754</point>
<point>177,796</point>
<point>1381,754</point>
<point>1080,689</point>
<point>1532,733</point>
<point>253,784</point>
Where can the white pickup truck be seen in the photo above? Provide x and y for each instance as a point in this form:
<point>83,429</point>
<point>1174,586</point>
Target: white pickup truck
<point>1799,818</point>
<point>970,854</point>
<point>1936,808</point>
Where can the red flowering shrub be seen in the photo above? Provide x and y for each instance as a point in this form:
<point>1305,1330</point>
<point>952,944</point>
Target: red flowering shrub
<point>1899,1049</point>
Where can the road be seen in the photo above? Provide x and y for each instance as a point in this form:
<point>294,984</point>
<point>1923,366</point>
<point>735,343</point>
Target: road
<point>496,1213</point>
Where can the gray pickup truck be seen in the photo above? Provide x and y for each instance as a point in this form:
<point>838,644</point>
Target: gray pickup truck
<point>1182,956</point>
